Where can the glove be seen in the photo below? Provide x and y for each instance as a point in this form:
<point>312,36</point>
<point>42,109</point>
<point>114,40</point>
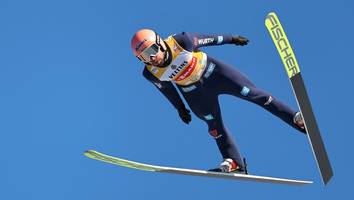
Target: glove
<point>185,115</point>
<point>239,40</point>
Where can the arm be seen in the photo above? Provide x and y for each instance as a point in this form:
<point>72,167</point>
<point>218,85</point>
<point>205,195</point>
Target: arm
<point>170,92</point>
<point>191,41</point>
<point>166,88</point>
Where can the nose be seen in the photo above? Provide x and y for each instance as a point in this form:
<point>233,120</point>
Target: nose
<point>152,57</point>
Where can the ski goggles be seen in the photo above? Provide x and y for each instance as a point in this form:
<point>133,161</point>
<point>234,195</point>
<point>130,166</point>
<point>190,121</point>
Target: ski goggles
<point>149,53</point>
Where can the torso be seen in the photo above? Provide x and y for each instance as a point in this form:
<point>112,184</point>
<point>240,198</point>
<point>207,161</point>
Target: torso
<point>185,68</point>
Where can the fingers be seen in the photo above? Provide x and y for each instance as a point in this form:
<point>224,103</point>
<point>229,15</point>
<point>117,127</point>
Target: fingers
<point>187,118</point>
<point>185,115</point>
<point>243,42</point>
<point>240,40</point>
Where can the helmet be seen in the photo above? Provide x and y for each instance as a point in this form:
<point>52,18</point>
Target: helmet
<point>145,43</point>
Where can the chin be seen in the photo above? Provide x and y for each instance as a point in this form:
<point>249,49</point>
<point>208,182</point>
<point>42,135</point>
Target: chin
<point>156,63</point>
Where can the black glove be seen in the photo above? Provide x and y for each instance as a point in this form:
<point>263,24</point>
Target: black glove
<point>239,40</point>
<point>185,115</point>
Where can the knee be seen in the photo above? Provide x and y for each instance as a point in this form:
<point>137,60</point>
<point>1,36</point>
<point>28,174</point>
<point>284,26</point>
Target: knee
<point>215,133</point>
<point>257,96</point>
<point>215,130</point>
<point>265,101</point>
<point>213,126</point>
<point>268,100</point>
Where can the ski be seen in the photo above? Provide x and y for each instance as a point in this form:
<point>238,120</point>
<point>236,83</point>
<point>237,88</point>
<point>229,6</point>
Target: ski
<point>292,68</point>
<point>154,168</point>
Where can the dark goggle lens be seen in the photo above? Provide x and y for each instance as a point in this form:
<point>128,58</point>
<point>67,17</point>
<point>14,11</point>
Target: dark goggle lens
<point>149,53</point>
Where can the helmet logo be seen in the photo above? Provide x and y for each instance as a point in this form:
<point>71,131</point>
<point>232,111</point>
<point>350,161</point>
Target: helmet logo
<point>139,45</point>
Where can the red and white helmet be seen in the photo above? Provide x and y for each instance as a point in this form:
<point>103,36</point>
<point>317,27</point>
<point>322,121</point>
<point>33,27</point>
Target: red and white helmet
<point>145,43</point>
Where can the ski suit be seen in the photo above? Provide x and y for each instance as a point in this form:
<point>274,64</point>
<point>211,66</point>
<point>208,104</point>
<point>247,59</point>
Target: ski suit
<point>201,79</point>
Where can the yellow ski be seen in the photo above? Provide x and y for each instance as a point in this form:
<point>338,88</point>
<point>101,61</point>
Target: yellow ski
<point>292,68</point>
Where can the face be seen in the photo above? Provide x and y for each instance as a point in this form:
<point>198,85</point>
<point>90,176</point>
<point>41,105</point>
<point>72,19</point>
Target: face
<point>153,54</point>
<point>158,58</point>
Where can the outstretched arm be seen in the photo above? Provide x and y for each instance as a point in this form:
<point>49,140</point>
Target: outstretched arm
<point>192,41</point>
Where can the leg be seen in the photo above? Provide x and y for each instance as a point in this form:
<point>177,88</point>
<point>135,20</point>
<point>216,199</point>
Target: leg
<point>235,83</point>
<point>206,107</point>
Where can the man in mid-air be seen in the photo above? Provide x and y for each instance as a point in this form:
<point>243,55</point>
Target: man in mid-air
<point>201,79</point>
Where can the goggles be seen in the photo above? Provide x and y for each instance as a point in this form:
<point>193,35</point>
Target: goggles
<point>149,53</point>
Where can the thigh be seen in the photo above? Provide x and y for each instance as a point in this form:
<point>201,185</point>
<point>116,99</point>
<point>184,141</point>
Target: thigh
<point>204,103</point>
<point>229,80</point>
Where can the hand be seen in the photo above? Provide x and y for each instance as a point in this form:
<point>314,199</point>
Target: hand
<point>239,40</point>
<point>185,115</point>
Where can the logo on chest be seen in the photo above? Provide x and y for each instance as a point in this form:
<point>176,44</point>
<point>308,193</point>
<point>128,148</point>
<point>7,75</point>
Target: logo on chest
<point>177,68</point>
<point>182,67</point>
<point>188,70</point>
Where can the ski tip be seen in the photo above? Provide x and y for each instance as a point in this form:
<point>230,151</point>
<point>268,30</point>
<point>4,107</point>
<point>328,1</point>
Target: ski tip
<point>270,16</point>
<point>89,153</point>
<point>271,13</point>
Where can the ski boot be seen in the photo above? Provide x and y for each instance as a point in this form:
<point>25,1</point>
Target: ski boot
<point>299,120</point>
<point>230,166</point>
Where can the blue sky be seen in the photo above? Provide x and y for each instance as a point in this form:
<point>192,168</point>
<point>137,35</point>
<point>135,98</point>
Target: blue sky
<point>69,82</point>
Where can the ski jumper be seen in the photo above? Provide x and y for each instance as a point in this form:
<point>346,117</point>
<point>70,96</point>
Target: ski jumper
<point>201,79</point>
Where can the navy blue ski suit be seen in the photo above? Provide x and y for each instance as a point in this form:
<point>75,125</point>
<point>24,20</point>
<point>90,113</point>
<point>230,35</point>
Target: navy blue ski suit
<point>218,78</point>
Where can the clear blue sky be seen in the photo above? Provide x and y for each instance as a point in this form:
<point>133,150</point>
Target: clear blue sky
<point>69,82</point>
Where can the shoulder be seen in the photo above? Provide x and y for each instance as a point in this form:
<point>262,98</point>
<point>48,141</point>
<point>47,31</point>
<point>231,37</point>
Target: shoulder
<point>148,74</point>
<point>185,39</point>
<point>183,36</point>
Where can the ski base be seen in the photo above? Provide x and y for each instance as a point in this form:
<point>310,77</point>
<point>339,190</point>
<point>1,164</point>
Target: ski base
<point>154,168</point>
